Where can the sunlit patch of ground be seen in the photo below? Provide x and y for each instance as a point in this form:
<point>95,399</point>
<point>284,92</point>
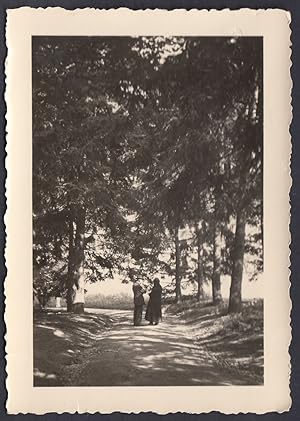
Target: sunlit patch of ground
<point>233,341</point>
<point>195,344</point>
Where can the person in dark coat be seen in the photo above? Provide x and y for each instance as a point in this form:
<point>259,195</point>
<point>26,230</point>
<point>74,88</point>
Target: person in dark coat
<point>139,302</point>
<point>153,312</point>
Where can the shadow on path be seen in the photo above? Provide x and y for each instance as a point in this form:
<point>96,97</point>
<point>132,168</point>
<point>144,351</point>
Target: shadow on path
<point>162,355</point>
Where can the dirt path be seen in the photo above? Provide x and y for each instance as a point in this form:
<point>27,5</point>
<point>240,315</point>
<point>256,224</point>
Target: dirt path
<point>163,355</point>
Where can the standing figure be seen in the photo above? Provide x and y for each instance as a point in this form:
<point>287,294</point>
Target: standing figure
<point>138,303</point>
<point>153,313</point>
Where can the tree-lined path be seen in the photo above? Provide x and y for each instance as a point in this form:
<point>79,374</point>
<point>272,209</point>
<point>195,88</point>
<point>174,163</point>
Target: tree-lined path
<point>163,355</point>
<point>147,162</point>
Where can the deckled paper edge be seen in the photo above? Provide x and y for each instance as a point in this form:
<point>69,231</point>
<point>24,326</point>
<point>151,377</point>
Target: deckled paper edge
<point>181,11</point>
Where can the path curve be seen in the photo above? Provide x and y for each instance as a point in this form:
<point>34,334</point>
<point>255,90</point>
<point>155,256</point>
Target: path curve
<point>163,355</point>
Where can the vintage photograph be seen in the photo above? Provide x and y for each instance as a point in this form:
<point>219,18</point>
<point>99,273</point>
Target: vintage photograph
<point>147,210</point>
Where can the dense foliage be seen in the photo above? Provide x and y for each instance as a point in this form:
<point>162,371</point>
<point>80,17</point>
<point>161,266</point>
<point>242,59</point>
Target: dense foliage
<point>137,141</point>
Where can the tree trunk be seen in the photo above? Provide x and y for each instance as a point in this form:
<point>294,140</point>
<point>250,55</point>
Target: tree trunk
<point>200,293</point>
<point>262,231</point>
<point>178,295</point>
<point>43,301</point>
<point>235,297</point>
<point>79,280</point>
<point>216,276</point>
<point>70,280</point>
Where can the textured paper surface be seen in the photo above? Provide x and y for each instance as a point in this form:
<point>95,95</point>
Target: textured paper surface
<point>273,25</point>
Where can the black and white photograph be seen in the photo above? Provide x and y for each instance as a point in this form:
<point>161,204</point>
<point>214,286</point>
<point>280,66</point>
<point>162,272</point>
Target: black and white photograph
<point>148,178</point>
<point>147,209</point>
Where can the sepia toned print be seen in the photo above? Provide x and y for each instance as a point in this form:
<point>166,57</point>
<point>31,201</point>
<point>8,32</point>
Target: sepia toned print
<point>152,203</point>
<point>147,169</point>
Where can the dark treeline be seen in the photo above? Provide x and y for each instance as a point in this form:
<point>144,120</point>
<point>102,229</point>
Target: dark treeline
<point>136,140</point>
